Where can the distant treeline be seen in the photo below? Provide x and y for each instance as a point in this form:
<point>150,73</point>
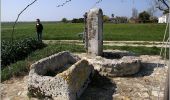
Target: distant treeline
<point>74,20</point>
<point>78,20</point>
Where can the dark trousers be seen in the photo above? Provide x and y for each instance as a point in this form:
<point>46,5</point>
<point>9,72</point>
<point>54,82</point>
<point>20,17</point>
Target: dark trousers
<point>39,36</point>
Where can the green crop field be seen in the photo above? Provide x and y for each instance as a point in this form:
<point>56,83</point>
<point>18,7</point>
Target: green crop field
<point>69,31</point>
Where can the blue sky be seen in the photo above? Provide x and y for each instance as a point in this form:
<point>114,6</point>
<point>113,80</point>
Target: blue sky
<point>46,10</point>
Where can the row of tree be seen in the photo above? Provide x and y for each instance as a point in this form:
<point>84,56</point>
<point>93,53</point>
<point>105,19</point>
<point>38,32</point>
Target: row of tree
<point>143,17</point>
<point>149,14</point>
<point>74,20</point>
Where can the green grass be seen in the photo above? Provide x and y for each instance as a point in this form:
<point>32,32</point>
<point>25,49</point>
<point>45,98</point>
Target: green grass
<point>51,31</point>
<point>22,67</point>
<point>134,32</point>
<point>69,31</point>
<point>137,50</point>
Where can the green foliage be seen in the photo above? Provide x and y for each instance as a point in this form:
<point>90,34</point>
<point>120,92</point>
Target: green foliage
<point>153,19</point>
<point>106,18</point>
<point>79,20</point>
<point>64,20</point>
<point>12,52</point>
<point>144,16</point>
<point>166,11</point>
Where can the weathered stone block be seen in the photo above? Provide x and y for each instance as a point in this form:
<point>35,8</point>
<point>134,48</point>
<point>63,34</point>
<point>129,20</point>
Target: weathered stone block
<point>61,76</point>
<point>95,32</point>
<point>116,63</point>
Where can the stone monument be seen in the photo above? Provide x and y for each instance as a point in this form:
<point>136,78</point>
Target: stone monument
<point>94,32</point>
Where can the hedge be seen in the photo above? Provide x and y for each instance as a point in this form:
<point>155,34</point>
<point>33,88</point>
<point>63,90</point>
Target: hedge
<point>18,50</point>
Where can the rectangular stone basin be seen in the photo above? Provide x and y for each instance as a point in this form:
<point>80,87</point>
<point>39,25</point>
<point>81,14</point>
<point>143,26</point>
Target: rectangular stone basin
<point>61,76</point>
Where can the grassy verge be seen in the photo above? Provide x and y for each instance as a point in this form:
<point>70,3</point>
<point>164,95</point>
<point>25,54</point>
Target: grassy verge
<point>141,50</point>
<point>137,50</point>
<point>22,67</point>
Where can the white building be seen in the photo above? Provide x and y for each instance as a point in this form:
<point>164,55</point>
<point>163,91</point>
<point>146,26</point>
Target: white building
<point>163,19</point>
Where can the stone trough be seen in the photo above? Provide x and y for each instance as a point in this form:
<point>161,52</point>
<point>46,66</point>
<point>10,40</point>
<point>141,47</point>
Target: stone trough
<point>62,76</point>
<point>115,63</point>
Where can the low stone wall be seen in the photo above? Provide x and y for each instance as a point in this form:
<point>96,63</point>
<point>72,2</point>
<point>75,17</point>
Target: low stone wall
<point>115,63</point>
<point>125,66</point>
<point>62,76</point>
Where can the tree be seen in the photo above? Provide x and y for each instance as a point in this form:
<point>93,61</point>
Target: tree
<point>134,13</point>
<point>144,16</point>
<point>64,20</point>
<point>79,20</point>
<point>151,10</point>
<point>106,18</point>
<point>153,19</point>
<point>113,15</point>
<point>162,5</point>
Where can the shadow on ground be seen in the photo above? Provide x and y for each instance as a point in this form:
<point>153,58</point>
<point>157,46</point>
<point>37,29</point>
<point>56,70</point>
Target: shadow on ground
<point>101,88</point>
<point>116,55</point>
<point>147,69</point>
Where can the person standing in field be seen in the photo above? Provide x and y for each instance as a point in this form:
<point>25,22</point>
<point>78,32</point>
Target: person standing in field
<point>39,29</point>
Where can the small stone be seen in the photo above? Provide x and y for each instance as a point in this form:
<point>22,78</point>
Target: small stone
<point>145,95</point>
<point>24,93</point>
<point>115,95</point>
<point>19,93</point>
<point>118,82</point>
<point>139,94</point>
<point>155,93</point>
<point>161,94</point>
<point>139,85</point>
<point>144,89</point>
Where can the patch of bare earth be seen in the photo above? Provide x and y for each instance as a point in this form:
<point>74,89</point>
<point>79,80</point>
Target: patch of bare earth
<point>148,84</point>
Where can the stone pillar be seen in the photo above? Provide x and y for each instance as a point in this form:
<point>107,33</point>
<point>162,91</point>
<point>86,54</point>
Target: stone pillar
<point>95,32</point>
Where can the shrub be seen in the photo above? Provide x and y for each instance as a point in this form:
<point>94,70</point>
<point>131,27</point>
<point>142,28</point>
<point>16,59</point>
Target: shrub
<point>64,20</point>
<point>79,20</point>
<point>144,17</point>
<point>12,52</point>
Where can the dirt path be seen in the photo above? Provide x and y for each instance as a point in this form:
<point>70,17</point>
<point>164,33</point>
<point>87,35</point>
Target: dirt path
<point>148,84</point>
<point>114,43</point>
<point>14,89</point>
